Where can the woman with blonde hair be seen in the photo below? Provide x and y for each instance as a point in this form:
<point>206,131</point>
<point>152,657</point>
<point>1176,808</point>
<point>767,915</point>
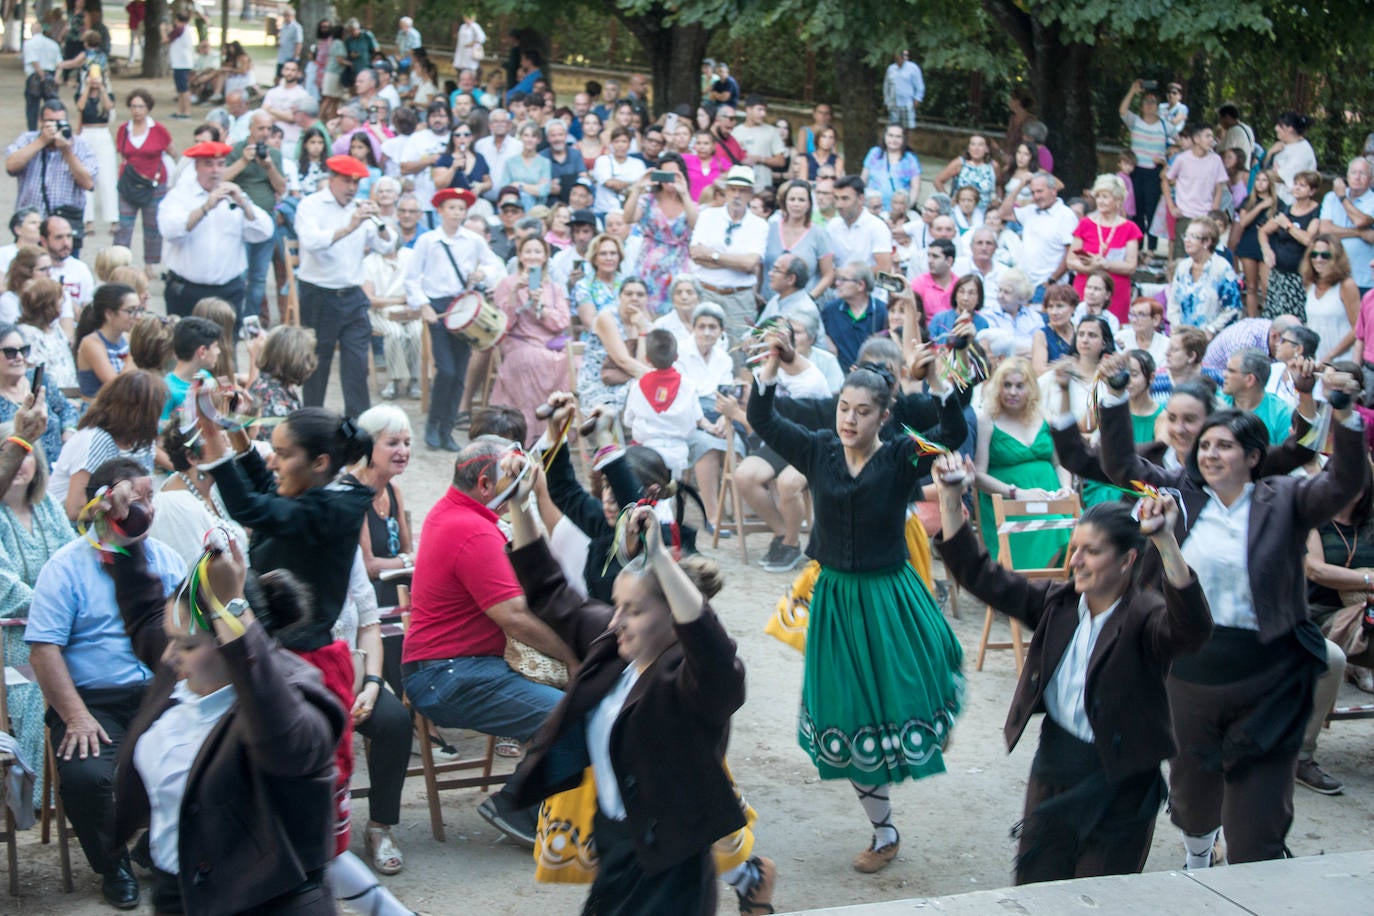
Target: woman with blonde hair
<point>1106,240</point>
<point>1015,459</point>
<point>1333,300</point>
<point>108,259</point>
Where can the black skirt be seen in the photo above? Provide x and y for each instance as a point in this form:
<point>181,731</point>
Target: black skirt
<point>622,888</point>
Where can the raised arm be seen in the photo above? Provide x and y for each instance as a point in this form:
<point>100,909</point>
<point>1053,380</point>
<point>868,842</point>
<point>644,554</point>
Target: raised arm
<point>1186,623</point>
<point>785,437</point>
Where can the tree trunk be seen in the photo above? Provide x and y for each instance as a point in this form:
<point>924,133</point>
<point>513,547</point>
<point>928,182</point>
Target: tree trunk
<point>1062,75</point>
<point>310,12</point>
<point>154,61</point>
<point>859,86</point>
<point>675,53</point>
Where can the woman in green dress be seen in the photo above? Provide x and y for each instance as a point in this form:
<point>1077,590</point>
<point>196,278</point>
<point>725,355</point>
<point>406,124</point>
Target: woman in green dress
<point>1015,460</point>
<point>882,683</point>
<point>1145,410</point>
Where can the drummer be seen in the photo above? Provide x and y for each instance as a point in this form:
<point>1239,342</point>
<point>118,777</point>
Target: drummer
<point>449,260</point>
<point>335,232</point>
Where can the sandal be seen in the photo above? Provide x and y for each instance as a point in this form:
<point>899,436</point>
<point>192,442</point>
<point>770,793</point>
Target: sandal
<point>507,747</point>
<point>463,420</point>
<point>381,849</point>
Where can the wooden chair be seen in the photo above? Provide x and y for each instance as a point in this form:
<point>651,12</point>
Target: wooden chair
<point>426,370</point>
<point>10,836</point>
<point>577,351</point>
<point>742,524</point>
<point>1070,507</point>
<point>432,771</point>
<point>53,810</point>
<point>292,260</point>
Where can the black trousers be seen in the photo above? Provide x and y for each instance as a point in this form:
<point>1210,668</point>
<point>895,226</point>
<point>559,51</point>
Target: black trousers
<point>310,899</point>
<point>181,295</point>
<point>338,316</point>
<point>88,785</point>
<point>388,732</point>
<point>1145,183</point>
<point>622,888</point>
<point>451,353</point>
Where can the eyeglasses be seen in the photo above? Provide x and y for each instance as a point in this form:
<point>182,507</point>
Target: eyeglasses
<point>1288,340</point>
<point>846,279</point>
<point>1142,314</point>
<point>135,311</point>
<point>1320,255</point>
<point>13,353</point>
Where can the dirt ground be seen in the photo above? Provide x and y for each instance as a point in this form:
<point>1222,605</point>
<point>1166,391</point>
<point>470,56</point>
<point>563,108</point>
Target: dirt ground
<point>954,827</point>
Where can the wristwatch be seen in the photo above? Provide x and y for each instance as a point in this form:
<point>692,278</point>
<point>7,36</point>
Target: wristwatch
<point>235,607</point>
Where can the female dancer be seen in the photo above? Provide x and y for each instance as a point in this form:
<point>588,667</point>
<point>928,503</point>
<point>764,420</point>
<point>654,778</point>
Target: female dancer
<point>1095,785</point>
<point>1242,702</point>
<point>874,719</point>
<point>663,643</point>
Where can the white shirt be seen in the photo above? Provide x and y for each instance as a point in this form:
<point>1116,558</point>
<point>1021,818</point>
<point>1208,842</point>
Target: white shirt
<point>468,54</point>
<point>334,264</point>
<point>666,432</point>
<point>212,253</point>
<point>496,159</point>
<point>860,240</point>
<point>417,146</point>
<point>431,276</point>
<point>599,725</point>
<point>164,756</point>
<point>1158,348</point>
<point>181,51</point>
<point>1045,237</point>
<point>829,365</point>
<point>77,282</point>
<point>41,50</point>
<point>392,97</point>
<point>701,374</point>
<point>562,263</point>
<point>1216,549</point>
<point>286,98</point>
<point>965,266</point>
<point>1066,693</point>
<point>794,304</point>
<point>750,237</point>
<point>239,127</point>
<point>808,383</point>
<point>762,141</point>
<point>607,168</point>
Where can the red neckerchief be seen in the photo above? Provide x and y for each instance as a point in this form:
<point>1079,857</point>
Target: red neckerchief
<point>660,388</point>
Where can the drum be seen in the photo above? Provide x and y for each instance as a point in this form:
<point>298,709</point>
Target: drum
<point>480,322</point>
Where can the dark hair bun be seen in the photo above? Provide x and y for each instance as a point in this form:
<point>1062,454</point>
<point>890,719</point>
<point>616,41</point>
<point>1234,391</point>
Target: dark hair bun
<point>882,371</point>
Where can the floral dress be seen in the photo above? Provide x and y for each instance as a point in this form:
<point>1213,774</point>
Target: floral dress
<point>664,252</point>
<point>974,175</point>
<point>591,391</point>
<point>22,554</point>
<point>602,295</point>
<point>274,400</point>
<point>1209,301</point>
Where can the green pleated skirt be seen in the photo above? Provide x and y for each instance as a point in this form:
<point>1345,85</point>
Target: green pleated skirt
<point>883,679</point>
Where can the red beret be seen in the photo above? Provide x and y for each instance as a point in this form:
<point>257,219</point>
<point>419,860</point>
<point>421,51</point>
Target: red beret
<point>209,150</point>
<point>462,194</point>
<point>347,165</point>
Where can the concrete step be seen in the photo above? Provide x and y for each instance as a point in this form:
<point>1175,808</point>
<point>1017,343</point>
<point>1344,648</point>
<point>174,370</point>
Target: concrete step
<point>1340,883</point>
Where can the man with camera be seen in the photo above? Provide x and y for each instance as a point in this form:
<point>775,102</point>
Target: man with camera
<point>55,168</point>
<point>204,225</point>
<point>256,168</point>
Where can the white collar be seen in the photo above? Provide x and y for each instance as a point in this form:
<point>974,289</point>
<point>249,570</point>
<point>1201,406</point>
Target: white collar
<point>208,708</point>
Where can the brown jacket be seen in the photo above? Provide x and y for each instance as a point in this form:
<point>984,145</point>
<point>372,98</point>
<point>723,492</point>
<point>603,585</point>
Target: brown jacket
<point>669,740</point>
<point>1125,699</point>
<point>1282,511</point>
<point>257,817</point>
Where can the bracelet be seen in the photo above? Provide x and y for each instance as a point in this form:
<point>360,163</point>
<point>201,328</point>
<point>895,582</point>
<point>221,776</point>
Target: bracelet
<point>373,679</point>
<point>1366,581</point>
<point>28,447</point>
<point>1013,492</point>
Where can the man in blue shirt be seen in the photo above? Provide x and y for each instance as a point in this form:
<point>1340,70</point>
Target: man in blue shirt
<point>1348,214</point>
<point>91,678</point>
<point>855,314</point>
<point>904,89</point>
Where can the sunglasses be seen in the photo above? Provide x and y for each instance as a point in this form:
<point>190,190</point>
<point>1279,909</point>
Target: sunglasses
<point>462,133</point>
<point>1320,255</point>
<point>16,352</point>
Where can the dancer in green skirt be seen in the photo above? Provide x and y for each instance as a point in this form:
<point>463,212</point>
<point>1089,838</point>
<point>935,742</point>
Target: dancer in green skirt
<point>882,683</point>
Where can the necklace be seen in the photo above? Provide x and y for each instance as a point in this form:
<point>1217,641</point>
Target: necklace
<point>211,504</point>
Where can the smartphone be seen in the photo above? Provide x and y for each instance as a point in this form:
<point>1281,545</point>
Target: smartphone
<point>38,376</point>
<point>891,282</point>
<point>536,277</point>
<point>579,265</point>
<point>662,176</point>
<point>252,327</point>
<point>1149,85</point>
<point>731,391</point>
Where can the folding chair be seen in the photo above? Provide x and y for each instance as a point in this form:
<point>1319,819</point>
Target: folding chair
<point>1070,507</point>
<point>10,836</point>
<point>292,260</point>
<point>743,526</point>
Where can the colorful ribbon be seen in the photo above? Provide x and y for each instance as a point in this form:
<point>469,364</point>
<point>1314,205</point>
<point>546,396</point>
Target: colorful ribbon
<point>90,521</point>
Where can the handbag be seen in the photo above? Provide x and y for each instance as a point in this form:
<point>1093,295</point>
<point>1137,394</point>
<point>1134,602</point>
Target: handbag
<point>558,343</point>
<point>1346,629</point>
<point>534,665</point>
<point>613,375</point>
<point>136,190</point>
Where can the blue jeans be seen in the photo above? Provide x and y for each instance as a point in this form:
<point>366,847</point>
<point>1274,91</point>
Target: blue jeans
<point>259,263</point>
<point>481,693</point>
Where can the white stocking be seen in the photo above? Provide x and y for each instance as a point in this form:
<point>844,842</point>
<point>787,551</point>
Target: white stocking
<point>352,882</point>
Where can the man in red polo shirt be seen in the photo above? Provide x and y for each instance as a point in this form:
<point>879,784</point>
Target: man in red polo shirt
<point>465,603</point>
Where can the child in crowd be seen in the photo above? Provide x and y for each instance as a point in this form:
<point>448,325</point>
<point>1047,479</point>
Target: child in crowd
<point>660,411</point>
<point>1125,163</point>
<point>1097,295</point>
<point>196,343</point>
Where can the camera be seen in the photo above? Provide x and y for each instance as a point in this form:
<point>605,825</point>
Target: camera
<point>891,282</point>
<point>731,391</point>
<point>662,176</point>
<point>262,149</point>
<point>1149,85</point>
<point>64,127</point>
<point>252,327</point>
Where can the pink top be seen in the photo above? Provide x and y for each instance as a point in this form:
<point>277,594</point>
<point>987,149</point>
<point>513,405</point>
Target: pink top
<point>1111,244</point>
<point>1195,180</point>
<point>934,296</point>
<point>699,178</point>
<point>1364,326</point>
